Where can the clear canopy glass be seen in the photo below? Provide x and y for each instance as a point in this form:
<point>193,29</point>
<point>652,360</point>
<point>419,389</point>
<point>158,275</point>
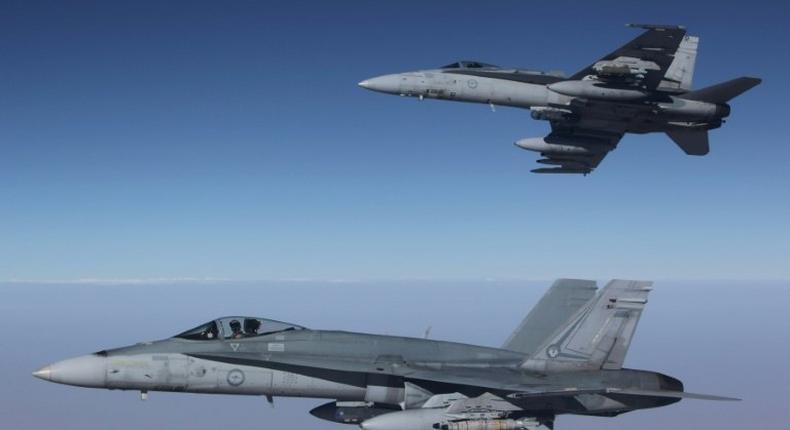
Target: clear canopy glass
<point>470,65</point>
<point>207,331</point>
<point>237,327</point>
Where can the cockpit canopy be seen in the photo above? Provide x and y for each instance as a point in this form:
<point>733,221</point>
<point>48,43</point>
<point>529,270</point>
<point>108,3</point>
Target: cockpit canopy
<point>470,65</point>
<point>237,328</point>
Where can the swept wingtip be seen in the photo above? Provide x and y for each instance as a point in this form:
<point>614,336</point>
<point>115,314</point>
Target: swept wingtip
<point>713,397</point>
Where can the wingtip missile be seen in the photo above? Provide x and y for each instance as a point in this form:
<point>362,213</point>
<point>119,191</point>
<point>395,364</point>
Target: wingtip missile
<point>561,170</point>
<point>657,26</point>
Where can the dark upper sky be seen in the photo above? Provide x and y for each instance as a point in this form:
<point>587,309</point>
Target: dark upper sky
<point>229,140</point>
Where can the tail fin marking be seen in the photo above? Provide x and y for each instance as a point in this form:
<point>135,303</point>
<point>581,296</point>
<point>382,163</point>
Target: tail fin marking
<point>680,73</point>
<point>598,335</point>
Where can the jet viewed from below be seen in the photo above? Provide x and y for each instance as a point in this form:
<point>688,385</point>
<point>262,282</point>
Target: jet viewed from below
<point>642,87</point>
<point>566,357</point>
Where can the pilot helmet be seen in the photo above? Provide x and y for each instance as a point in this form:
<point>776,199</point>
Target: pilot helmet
<point>235,326</point>
<point>251,325</point>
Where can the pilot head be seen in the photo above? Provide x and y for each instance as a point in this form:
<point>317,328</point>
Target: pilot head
<point>251,326</point>
<point>235,326</point>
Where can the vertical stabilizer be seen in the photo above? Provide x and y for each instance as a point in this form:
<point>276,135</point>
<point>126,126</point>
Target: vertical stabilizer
<point>680,73</point>
<point>692,141</point>
<point>598,335</point>
<point>559,303</point>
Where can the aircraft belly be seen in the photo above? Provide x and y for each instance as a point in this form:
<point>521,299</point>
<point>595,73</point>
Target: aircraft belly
<point>243,380</point>
<point>223,378</point>
<point>296,385</point>
<point>218,378</point>
<point>616,117</point>
<point>496,91</point>
<point>477,90</point>
<point>691,110</point>
<point>637,117</point>
<point>518,94</point>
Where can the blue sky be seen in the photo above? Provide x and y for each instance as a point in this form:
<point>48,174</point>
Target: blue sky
<point>216,140</point>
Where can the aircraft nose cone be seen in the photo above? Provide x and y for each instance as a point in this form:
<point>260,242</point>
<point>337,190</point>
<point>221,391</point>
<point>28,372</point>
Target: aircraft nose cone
<point>43,373</point>
<point>383,84</point>
<point>83,371</point>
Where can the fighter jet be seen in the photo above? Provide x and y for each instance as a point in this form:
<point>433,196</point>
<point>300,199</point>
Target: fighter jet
<point>566,357</point>
<point>642,87</point>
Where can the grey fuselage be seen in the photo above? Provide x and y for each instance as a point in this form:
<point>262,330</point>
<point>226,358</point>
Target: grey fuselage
<point>331,364</point>
<point>585,103</point>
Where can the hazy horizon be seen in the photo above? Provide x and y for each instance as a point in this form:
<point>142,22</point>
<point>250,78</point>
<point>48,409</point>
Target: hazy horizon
<point>167,163</point>
<point>718,337</point>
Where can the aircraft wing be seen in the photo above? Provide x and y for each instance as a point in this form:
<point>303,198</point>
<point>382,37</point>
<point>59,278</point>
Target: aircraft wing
<point>530,397</point>
<point>500,395</point>
<point>572,392</point>
<point>647,57</point>
<point>475,381</point>
<point>593,146</point>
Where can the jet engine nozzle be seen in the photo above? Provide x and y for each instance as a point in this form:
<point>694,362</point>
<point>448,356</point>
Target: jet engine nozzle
<point>722,110</point>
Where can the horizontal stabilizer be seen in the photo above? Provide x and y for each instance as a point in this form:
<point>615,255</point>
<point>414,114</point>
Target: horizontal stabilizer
<point>692,142</point>
<point>673,394</point>
<point>723,92</point>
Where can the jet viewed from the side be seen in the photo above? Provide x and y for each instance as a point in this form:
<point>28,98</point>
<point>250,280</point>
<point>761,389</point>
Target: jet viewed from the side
<point>566,357</point>
<point>642,87</point>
